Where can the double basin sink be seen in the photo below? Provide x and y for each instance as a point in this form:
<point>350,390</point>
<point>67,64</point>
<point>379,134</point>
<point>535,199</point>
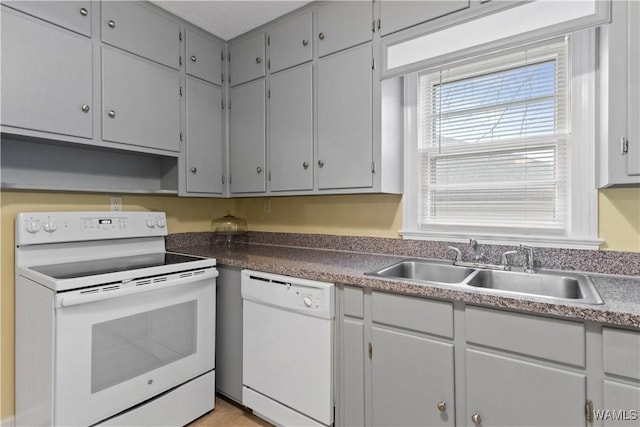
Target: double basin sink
<point>554,285</point>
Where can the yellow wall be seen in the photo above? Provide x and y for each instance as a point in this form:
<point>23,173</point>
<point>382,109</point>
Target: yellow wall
<point>361,215</point>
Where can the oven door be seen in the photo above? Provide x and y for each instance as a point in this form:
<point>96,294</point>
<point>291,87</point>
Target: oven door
<point>114,352</point>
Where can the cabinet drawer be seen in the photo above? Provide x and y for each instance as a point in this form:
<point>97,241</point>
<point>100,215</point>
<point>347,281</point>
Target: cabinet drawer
<point>139,29</point>
<point>353,302</point>
<point>552,339</point>
<point>418,314</point>
<point>204,57</point>
<point>621,352</point>
<point>290,43</point>
<point>247,59</point>
<point>72,15</point>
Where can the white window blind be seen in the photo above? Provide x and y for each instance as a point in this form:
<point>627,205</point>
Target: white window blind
<point>492,141</point>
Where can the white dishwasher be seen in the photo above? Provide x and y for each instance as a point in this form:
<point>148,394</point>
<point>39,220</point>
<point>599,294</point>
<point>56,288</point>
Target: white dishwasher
<point>288,327</point>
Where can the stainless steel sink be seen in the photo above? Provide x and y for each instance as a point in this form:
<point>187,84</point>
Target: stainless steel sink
<point>424,271</point>
<point>555,285</point>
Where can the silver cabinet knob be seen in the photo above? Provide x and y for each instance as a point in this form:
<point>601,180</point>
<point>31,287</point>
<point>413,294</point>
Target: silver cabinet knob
<point>111,23</point>
<point>442,406</point>
<point>258,60</point>
<point>305,42</point>
<point>84,11</point>
<point>85,108</point>
<point>193,58</point>
<point>194,170</point>
<point>112,114</point>
<point>320,163</point>
<point>305,165</point>
<point>476,419</point>
<point>259,169</point>
<point>321,36</point>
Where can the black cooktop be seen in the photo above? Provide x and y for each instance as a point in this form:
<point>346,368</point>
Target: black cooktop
<point>71,270</point>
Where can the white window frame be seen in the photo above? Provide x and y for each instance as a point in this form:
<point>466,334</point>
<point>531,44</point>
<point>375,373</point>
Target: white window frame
<point>582,221</point>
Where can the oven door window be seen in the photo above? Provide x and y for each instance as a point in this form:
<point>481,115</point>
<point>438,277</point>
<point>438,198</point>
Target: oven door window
<point>130,346</point>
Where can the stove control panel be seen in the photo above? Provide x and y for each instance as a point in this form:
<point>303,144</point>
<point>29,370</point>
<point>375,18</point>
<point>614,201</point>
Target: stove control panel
<point>57,227</point>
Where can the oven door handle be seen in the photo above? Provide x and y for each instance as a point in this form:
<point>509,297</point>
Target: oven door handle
<point>178,279</point>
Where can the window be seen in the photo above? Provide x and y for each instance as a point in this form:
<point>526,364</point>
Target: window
<point>494,146</point>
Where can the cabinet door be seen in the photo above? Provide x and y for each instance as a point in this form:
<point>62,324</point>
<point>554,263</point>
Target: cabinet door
<point>229,334</point>
<point>412,377</point>
<point>291,129</point>
<point>138,28</point>
<point>352,373</point>
<point>46,77</point>
<point>510,392</point>
<point>342,24</point>
<point>247,59</point>
<point>204,137</point>
<point>141,102</point>
<point>72,15</point>
<point>633,114</point>
<point>398,15</point>
<point>204,57</point>
<point>290,42</point>
<point>247,138</point>
<point>345,150</point>
<point>622,401</point>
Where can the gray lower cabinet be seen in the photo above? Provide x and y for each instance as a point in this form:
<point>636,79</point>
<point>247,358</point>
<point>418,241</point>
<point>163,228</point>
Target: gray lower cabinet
<point>291,129</point>
<point>344,108</point>
<point>204,156</point>
<point>229,333</point>
<point>46,77</point>
<point>141,102</point>
<point>505,391</point>
<point>398,15</point>
<point>412,380</point>
<point>247,138</point>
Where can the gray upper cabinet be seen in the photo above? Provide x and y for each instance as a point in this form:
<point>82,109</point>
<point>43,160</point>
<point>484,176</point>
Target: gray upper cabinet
<point>398,15</point>
<point>247,138</point>
<point>247,59</point>
<point>141,102</point>
<point>204,57</point>
<point>344,144</point>
<point>203,137</point>
<point>72,15</point>
<point>343,24</point>
<point>46,77</point>
<point>291,42</point>
<point>140,29</point>
<point>619,159</point>
<point>291,130</point>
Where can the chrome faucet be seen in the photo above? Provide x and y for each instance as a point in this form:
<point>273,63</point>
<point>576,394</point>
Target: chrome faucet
<point>529,258</point>
<point>478,257</point>
<point>505,259</point>
<point>458,256</point>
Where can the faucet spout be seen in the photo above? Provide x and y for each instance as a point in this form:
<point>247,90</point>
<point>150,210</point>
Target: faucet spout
<point>458,255</point>
<point>529,258</point>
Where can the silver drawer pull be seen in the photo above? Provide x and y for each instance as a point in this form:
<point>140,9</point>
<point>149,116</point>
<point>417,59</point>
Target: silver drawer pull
<point>259,169</point>
<point>321,36</point>
<point>194,170</point>
<point>305,42</point>
<point>111,23</point>
<point>258,60</point>
<point>112,114</point>
<point>193,58</point>
<point>84,11</point>
<point>320,163</point>
<point>305,165</point>
<point>85,108</point>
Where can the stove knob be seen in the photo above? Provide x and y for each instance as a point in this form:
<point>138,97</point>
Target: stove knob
<point>50,226</point>
<point>161,222</point>
<point>33,226</point>
<point>307,301</point>
<point>150,222</point>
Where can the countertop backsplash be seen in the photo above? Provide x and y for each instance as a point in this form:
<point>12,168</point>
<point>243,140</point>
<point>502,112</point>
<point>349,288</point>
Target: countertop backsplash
<point>606,262</point>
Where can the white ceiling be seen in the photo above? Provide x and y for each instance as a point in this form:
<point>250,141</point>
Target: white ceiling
<point>229,18</point>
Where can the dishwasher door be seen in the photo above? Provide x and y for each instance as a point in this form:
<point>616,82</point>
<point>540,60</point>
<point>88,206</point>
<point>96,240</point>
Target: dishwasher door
<point>288,327</point>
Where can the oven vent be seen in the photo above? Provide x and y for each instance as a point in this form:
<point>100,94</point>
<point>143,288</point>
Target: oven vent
<point>199,272</point>
<point>110,288</point>
<point>143,282</point>
<point>90,291</point>
<point>160,279</point>
<point>185,275</point>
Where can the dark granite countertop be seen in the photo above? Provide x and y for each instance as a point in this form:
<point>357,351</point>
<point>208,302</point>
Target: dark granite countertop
<point>621,294</point>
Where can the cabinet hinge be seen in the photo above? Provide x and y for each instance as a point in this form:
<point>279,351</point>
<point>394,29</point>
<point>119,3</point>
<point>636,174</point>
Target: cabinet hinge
<point>222,77</point>
<point>268,40</point>
<point>180,60</point>
<point>181,136</point>
<point>229,178</point>
<point>373,63</point>
<point>378,24</point>
<point>624,145</point>
<point>229,57</point>
<point>181,91</point>
<point>222,179</point>
<point>269,178</point>
<point>221,56</point>
<point>373,167</point>
<point>180,35</point>
<point>268,64</point>
<point>373,26</point>
<point>370,351</point>
<point>588,411</point>
<point>269,94</point>
<point>222,104</point>
<point>229,105</point>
